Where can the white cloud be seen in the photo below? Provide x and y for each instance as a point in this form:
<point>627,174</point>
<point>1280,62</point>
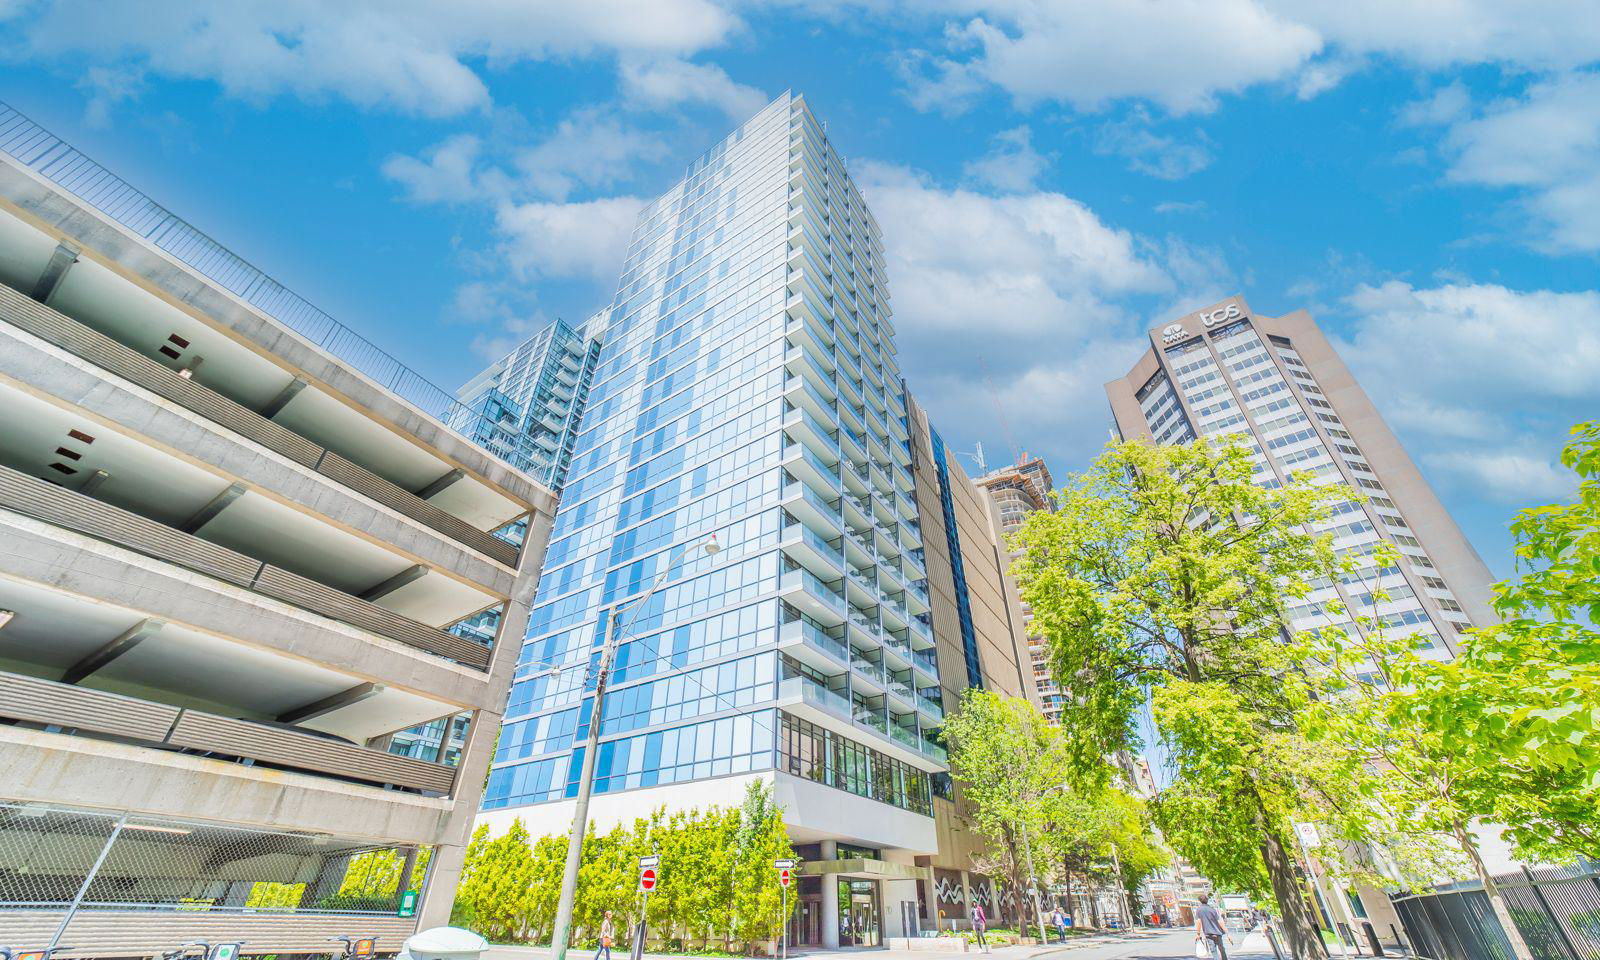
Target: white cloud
<point>1183,55</point>
<point>1480,380</point>
<point>1530,34</point>
<point>657,84</point>
<point>971,264</point>
<point>1179,54</point>
<point>586,240</point>
<point>1148,152</point>
<point>1012,164</point>
<point>590,148</point>
<point>447,175</point>
<point>1444,106</point>
<point>417,56</point>
<point>1509,475</point>
<point>1033,289</point>
<point>1548,144</point>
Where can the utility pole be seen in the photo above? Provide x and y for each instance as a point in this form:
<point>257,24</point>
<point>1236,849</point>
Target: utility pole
<point>562,931</point>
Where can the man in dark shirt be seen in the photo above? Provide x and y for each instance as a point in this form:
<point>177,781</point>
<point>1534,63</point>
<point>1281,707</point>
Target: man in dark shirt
<point>1208,928</point>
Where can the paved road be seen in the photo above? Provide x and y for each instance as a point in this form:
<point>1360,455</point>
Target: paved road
<point>1138,945</point>
<point>1153,945</point>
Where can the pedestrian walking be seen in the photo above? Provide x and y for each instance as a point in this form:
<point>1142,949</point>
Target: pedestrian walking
<point>980,923</point>
<point>607,931</point>
<point>1060,920</point>
<point>1209,931</point>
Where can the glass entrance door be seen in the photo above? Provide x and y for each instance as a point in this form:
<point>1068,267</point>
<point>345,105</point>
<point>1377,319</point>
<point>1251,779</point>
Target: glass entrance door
<point>859,923</point>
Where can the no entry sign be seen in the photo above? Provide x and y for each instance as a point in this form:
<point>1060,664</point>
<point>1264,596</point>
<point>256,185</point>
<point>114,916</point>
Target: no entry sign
<point>783,876</point>
<point>647,879</point>
<point>785,868</point>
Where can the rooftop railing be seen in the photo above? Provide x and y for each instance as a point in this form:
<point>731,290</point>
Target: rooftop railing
<point>54,159</point>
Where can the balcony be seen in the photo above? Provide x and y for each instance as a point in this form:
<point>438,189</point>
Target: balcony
<point>930,706</point>
<point>805,505</point>
<point>935,753</point>
<point>920,630</point>
<point>907,738</point>
<point>800,461</point>
<point>806,691</point>
<point>864,627</point>
<point>927,660</point>
<point>807,643</point>
<point>872,718</point>
<point>811,432</point>
<point>141,371</point>
<point>811,596</point>
<point>869,670</point>
<point>815,554</point>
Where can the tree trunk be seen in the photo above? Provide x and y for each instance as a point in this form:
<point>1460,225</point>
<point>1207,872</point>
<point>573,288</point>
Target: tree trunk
<point>1305,943</point>
<point>1519,947</point>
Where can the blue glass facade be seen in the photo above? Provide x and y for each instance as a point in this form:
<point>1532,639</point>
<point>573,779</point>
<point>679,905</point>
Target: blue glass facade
<point>533,399</point>
<point>746,387</point>
<point>969,637</point>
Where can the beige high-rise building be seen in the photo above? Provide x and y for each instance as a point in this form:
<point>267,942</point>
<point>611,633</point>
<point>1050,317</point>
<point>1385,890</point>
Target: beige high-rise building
<point>1278,385</point>
<point>1017,490</point>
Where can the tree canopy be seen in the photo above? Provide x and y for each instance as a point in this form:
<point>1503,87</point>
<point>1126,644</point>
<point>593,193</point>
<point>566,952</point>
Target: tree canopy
<point>1164,575</point>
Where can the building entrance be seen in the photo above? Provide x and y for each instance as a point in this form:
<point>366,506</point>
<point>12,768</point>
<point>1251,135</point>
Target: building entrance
<point>805,924</point>
<point>859,915</point>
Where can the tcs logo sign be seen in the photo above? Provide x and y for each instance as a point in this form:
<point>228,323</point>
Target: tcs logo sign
<point>1220,315</point>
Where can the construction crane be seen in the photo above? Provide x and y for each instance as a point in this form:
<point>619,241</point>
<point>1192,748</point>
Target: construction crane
<point>1005,426</point>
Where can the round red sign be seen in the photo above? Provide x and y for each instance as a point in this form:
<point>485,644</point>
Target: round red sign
<point>783,877</point>
<point>647,879</point>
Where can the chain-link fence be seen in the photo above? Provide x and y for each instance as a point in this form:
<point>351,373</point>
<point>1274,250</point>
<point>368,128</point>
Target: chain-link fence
<point>59,865</point>
<point>1556,909</point>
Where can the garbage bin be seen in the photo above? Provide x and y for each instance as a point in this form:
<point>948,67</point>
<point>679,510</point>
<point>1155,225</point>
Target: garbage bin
<point>443,943</point>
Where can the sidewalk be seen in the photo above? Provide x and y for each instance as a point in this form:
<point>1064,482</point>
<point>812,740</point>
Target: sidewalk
<point>1175,944</point>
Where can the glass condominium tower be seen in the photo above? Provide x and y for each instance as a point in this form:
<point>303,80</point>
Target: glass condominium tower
<point>1277,384</point>
<point>746,387</point>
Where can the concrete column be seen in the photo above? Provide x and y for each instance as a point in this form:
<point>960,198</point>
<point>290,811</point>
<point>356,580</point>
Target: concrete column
<point>830,896</point>
<point>964,922</point>
<point>830,911</point>
<point>895,894</point>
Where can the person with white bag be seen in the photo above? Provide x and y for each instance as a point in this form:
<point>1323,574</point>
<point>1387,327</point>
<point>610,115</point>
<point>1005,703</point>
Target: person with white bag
<point>1209,931</point>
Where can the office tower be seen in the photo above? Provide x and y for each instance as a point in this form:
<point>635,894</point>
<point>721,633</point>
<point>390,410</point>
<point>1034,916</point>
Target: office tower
<point>747,388</point>
<point>1019,489</point>
<point>534,397</point>
<point>1278,386</point>
<point>230,559</point>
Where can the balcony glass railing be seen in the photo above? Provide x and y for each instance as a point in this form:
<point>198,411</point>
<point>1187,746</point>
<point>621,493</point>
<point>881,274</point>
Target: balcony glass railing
<point>866,668</point>
<point>927,659</point>
<point>832,646</point>
<point>874,719</point>
<point>817,588</point>
<point>813,692</point>
<point>933,751</point>
<point>908,738</point>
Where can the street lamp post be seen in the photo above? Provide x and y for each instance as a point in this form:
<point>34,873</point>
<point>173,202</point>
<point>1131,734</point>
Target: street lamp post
<point>580,812</point>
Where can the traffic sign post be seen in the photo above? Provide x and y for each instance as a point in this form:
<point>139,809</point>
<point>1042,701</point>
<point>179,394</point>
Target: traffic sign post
<point>785,868</point>
<point>648,876</point>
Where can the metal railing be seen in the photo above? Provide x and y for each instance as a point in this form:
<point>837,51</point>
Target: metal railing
<point>50,157</point>
<point>106,881</point>
<point>1556,909</point>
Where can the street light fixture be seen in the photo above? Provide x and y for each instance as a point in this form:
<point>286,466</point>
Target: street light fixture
<point>562,931</point>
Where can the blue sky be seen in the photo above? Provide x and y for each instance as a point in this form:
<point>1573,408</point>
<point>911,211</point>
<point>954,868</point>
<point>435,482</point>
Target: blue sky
<point>1052,177</point>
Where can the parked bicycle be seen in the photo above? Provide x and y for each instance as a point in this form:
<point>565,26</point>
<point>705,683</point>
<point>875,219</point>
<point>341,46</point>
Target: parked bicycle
<point>356,948</point>
<point>6,953</point>
<point>205,950</point>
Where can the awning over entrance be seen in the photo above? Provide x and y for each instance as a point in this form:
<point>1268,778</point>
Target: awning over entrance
<point>866,868</point>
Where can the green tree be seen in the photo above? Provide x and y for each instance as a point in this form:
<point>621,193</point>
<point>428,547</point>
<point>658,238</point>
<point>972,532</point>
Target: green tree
<point>1011,764</point>
<point>493,896</point>
<point>760,838</point>
<point>1167,571</point>
<point>1535,676</point>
